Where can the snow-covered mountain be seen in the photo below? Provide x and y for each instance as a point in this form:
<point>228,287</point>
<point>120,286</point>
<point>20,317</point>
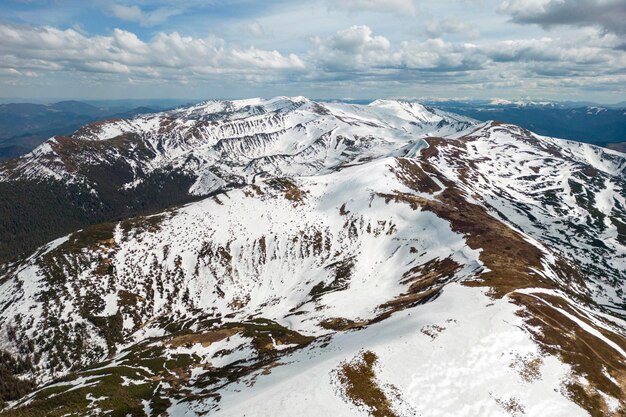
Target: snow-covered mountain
<point>231,141</point>
<point>118,168</point>
<point>384,260</point>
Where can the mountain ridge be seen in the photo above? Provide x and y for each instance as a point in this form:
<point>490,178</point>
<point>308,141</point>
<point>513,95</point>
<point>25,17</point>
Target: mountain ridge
<point>167,150</point>
<point>357,249</point>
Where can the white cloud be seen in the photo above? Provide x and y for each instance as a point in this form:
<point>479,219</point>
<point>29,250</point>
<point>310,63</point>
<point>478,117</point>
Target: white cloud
<point>356,57</point>
<point>267,59</point>
<point>132,13</point>
<point>351,49</point>
<point>9,71</point>
<point>353,57</point>
<point>255,29</point>
<point>356,49</point>
<point>439,28</point>
<point>439,55</point>
<point>166,55</point>
<point>557,53</point>
<point>358,39</point>
<point>136,14</point>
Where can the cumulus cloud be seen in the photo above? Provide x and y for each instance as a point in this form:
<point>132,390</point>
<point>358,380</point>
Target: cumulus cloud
<point>358,39</point>
<point>353,56</point>
<point>609,15</point>
<point>357,55</point>
<point>166,55</point>
<point>441,56</point>
<point>399,7</point>
<point>351,49</point>
<point>556,59</point>
<point>356,48</point>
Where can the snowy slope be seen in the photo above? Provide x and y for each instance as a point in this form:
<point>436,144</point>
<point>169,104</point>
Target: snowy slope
<point>219,142</point>
<point>119,168</point>
<point>385,260</point>
<point>569,195</point>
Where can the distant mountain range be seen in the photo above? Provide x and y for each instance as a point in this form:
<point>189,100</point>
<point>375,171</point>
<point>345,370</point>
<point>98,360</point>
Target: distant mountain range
<point>23,126</point>
<point>582,122</point>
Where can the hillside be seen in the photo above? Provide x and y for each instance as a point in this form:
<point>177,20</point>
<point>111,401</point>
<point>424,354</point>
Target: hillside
<point>385,260</point>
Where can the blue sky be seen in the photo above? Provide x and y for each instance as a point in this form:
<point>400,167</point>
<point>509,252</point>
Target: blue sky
<point>480,49</point>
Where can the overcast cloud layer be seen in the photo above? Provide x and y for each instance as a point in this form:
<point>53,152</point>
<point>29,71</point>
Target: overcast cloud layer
<point>556,49</point>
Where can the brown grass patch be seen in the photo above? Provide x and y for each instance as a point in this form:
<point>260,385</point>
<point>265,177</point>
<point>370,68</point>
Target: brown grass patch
<point>512,406</point>
<point>511,260</point>
<point>205,339</point>
<point>432,330</point>
<point>505,252</point>
<point>588,355</point>
<point>359,385</point>
<point>411,174</point>
<point>528,367</point>
<point>426,282</point>
<point>341,324</point>
<point>290,190</point>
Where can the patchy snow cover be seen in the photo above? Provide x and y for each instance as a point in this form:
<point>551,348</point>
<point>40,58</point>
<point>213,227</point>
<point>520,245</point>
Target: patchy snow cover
<point>328,243</point>
<point>568,195</point>
<point>467,369</point>
<point>219,142</point>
